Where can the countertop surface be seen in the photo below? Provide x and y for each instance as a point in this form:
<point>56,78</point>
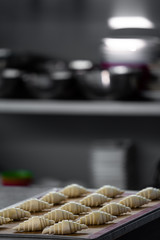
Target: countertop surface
<point>12,195</point>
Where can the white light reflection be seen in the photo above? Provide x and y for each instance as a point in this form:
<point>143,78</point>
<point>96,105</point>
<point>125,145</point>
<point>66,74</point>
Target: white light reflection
<point>105,76</point>
<point>10,73</point>
<point>130,22</point>
<point>124,45</point>
<point>119,69</point>
<point>61,75</point>
<point>80,64</point>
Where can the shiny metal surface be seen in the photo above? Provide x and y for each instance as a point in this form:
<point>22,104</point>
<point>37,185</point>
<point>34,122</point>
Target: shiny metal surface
<point>114,83</point>
<point>130,50</point>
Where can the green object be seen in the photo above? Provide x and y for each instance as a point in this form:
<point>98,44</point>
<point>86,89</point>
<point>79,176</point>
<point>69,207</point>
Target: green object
<point>18,174</point>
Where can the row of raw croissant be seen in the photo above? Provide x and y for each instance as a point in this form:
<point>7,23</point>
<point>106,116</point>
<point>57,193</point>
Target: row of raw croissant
<point>96,217</point>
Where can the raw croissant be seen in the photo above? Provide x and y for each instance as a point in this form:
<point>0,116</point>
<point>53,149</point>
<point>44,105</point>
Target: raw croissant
<point>94,200</point>
<point>59,215</point>
<point>134,201</point>
<point>74,190</point>
<point>34,205</point>
<point>54,197</point>
<point>64,227</point>
<point>33,224</point>
<point>15,213</point>
<point>96,218</point>
<point>150,193</point>
<point>115,208</point>
<point>75,207</point>
<point>4,220</point>
<point>110,191</point>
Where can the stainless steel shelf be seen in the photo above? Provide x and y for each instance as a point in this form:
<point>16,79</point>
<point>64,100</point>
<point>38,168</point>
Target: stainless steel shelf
<point>106,108</point>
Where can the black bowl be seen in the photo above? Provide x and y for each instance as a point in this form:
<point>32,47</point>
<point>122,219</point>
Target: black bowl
<point>48,79</point>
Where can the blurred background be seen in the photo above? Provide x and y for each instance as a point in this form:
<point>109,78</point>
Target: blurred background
<point>79,93</point>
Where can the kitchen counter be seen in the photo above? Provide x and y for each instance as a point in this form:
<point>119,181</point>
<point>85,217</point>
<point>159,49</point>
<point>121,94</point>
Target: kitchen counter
<point>11,195</point>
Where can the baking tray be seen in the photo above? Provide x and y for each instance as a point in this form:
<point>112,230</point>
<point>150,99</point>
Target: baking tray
<point>109,231</point>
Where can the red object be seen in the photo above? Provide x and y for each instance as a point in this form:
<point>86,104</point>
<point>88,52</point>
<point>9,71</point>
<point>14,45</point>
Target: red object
<point>16,182</point>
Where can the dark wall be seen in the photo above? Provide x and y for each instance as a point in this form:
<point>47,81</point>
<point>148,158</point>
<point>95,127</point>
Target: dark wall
<point>66,28</point>
<point>60,147</point>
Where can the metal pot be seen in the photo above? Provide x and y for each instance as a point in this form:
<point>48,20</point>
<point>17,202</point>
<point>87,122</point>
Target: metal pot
<point>116,82</point>
<point>129,50</point>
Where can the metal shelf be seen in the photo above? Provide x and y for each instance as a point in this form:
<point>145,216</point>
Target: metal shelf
<point>106,108</point>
